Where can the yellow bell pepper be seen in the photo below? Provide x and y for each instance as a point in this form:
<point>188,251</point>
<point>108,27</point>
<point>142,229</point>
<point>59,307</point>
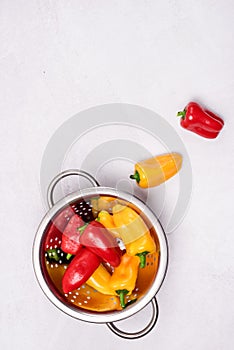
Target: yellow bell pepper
<point>154,171</point>
<point>124,277</point>
<point>134,232</point>
<point>141,247</point>
<point>121,282</point>
<point>106,219</point>
<point>100,280</point>
<point>102,203</point>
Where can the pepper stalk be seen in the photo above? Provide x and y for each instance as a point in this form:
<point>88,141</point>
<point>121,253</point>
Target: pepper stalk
<point>82,228</point>
<point>136,176</point>
<point>181,114</point>
<point>122,293</point>
<point>142,257</point>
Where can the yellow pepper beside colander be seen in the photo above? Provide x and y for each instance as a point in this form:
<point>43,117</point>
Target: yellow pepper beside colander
<point>156,170</point>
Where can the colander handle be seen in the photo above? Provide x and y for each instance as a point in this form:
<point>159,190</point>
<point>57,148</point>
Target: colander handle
<point>144,331</point>
<point>66,173</point>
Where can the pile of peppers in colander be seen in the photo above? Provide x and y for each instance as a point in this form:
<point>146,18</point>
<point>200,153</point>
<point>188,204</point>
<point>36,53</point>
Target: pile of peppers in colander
<point>92,247</point>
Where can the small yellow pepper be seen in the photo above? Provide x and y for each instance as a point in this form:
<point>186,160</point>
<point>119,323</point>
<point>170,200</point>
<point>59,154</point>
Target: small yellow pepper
<point>124,277</point>
<point>106,219</point>
<point>141,247</point>
<point>100,280</point>
<point>134,232</point>
<point>121,282</point>
<point>154,171</point>
<point>103,203</point>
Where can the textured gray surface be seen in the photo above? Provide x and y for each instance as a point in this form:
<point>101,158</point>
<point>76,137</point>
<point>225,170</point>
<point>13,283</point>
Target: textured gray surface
<point>60,57</point>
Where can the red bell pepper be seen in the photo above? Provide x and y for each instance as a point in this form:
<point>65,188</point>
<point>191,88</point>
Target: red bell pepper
<point>53,237</point>
<point>200,121</point>
<point>100,241</point>
<point>71,236</point>
<point>79,270</point>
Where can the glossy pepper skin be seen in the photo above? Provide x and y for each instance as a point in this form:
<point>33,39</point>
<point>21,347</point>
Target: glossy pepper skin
<point>54,234</point>
<point>100,280</point>
<point>106,219</point>
<point>101,242</point>
<point>71,237</point>
<point>156,170</point>
<point>79,270</point>
<point>200,121</point>
<point>124,277</point>
<point>134,232</point>
<point>102,203</point>
<point>121,282</point>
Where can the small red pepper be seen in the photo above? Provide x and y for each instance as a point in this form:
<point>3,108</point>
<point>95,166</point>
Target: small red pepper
<point>54,234</point>
<point>100,241</point>
<point>79,270</point>
<point>201,121</point>
<point>71,236</point>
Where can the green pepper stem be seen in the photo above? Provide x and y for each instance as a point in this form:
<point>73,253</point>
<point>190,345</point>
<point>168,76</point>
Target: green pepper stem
<point>136,176</point>
<point>53,254</point>
<point>68,256</point>
<point>181,114</point>
<point>142,261</point>
<point>122,293</point>
<point>142,257</point>
<point>82,228</point>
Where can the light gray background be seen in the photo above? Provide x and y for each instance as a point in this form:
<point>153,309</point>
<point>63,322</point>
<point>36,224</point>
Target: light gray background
<point>60,57</point>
